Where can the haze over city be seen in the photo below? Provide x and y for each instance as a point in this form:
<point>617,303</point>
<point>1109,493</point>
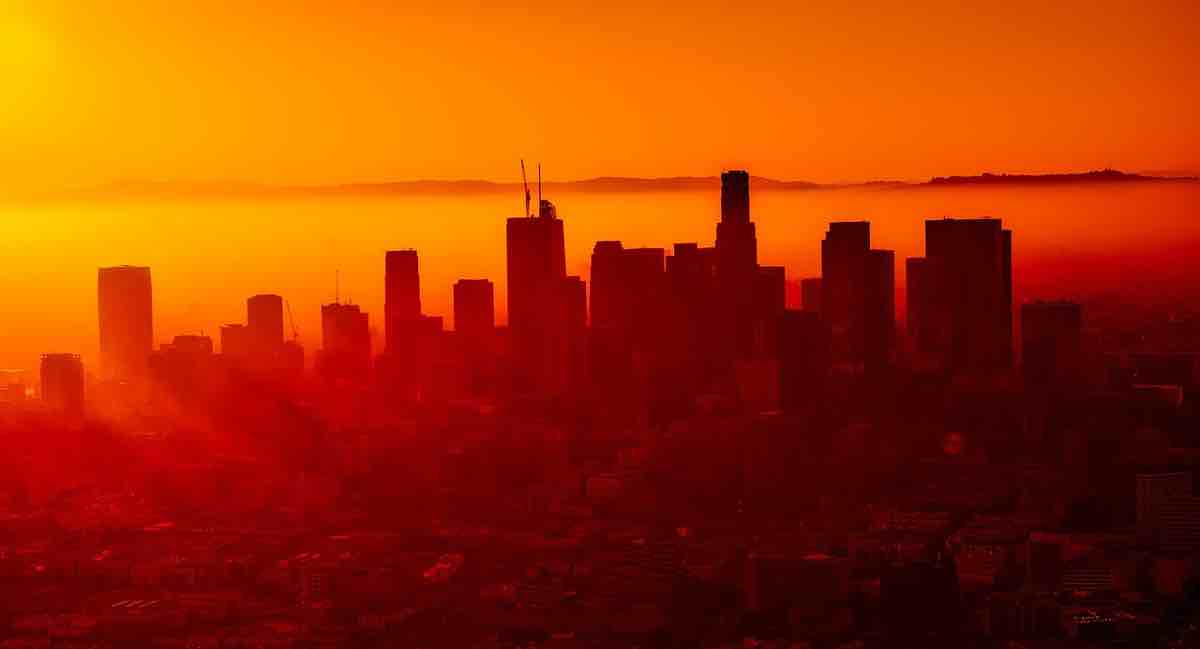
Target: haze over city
<point>567,326</point>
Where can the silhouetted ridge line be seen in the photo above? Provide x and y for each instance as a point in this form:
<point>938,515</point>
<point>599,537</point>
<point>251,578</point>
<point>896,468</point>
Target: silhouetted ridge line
<point>1099,176</point>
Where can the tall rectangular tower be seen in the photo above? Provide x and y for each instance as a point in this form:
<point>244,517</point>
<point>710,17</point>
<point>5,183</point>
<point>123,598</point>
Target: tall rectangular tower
<point>402,300</point>
<point>126,321</point>
<point>537,314</point>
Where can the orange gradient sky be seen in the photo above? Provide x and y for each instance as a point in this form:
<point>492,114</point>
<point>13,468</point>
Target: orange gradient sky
<point>300,92</point>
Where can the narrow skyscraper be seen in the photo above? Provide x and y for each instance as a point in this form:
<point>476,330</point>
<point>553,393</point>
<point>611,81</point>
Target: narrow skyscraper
<point>537,313</point>
<point>126,321</point>
<point>62,383</point>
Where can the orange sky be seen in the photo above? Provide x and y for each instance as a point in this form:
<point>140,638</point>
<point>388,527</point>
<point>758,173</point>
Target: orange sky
<point>297,92</point>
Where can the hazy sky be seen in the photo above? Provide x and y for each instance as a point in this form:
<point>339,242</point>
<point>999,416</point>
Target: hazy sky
<point>298,92</point>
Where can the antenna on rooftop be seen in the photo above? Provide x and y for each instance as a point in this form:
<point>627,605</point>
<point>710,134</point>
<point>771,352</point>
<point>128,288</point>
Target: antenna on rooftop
<point>525,184</point>
<point>539,186</point>
<point>337,286</point>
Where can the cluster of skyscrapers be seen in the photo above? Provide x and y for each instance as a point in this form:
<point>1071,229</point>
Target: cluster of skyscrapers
<point>656,330</point>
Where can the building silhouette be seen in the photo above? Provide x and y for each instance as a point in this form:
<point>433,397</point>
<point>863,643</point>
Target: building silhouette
<point>126,321</point>
<point>737,266</point>
<point>264,319</point>
<point>475,330</point>
<point>857,296</point>
<point>345,343</point>
<point>962,308</point>
<point>810,294</point>
<point>62,383</point>
<point>1052,344</point>
<point>537,304</point>
<point>402,302</point>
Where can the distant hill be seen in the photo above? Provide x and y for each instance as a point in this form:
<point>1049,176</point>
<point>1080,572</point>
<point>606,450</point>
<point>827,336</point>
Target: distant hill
<point>139,189</point>
<point>1101,176</point>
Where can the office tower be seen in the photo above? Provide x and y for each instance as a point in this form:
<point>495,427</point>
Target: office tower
<point>474,326</point>
<point>857,295</point>
<point>126,321</point>
<point>737,266</point>
<point>402,300</point>
<point>536,270</point>
<point>810,294</point>
<point>608,286</point>
<point>967,294</point>
<point>691,323</point>
<point>575,305</point>
<point>770,300</point>
<point>1051,344</point>
<point>1180,521</point>
<point>184,367</point>
<point>924,299</point>
<point>345,343</point>
<point>62,383</point>
<point>264,319</point>
<point>804,359</point>
<point>236,342</point>
<point>880,307</point>
<point>474,308</point>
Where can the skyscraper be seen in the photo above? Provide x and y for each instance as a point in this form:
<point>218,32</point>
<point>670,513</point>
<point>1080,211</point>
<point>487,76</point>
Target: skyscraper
<point>264,319</point>
<point>1052,344</point>
<point>810,294</point>
<point>804,359</point>
<point>963,305</point>
<point>537,315</point>
<point>474,328</point>
<point>737,265</point>
<point>126,321</point>
<point>345,342</point>
<point>474,307</point>
<point>857,295</point>
<point>62,383</point>
<point>402,301</point>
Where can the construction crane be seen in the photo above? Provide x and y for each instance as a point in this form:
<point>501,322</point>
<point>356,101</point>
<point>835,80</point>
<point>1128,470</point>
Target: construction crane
<point>292,321</point>
<point>525,184</point>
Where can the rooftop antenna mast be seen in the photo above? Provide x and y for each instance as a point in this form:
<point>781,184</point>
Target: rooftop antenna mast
<point>337,286</point>
<point>525,184</point>
<point>539,186</point>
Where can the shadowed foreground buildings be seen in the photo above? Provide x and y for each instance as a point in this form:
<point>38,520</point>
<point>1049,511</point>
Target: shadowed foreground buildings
<point>62,383</point>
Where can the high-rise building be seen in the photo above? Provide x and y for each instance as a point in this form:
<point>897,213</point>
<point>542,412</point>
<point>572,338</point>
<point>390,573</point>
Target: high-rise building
<point>537,315</point>
<point>236,343</point>
<point>857,295</point>
<point>737,266</point>
<point>126,321</point>
<point>963,309</point>
<point>402,302</point>
<point>804,359</point>
<point>474,329</point>
<point>1052,344</point>
<point>345,342</point>
<point>474,307</point>
<point>264,319</point>
<point>62,383</point>
<point>770,300</point>
<point>810,294</point>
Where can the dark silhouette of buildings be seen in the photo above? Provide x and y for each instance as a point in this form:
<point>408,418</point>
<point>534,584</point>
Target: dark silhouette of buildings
<point>737,266</point>
<point>402,303</point>
<point>475,330</point>
<point>804,360</point>
<point>537,301</point>
<point>1052,344</point>
<point>264,319</point>
<point>62,383</point>
<point>126,321</point>
<point>960,295</point>
<point>345,343</point>
<point>857,296</point>
<point>810,294</point>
